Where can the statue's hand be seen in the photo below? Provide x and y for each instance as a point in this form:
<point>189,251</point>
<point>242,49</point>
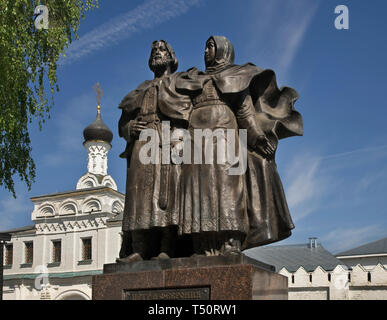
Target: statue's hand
<point>264,146</point>
<point>135,127</point>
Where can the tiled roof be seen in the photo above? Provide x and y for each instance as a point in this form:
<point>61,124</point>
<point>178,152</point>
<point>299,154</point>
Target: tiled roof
<point>292,257</point>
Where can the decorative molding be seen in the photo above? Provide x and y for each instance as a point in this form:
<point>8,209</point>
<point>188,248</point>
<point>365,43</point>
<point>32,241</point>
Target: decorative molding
<point>68,208</point>
<point>91,205</point>
<point>101,222</point>
<point>117,207</point>
<point>50,227</point>
<point>87,181</point>
<point>54,211</point>
<point>109,182</point>
<point>84,224</point>
<point>97,156</point>
<point>45,210</point>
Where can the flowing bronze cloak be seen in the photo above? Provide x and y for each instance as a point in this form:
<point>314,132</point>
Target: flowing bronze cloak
<point>275,107</point>
<point>268,213</point>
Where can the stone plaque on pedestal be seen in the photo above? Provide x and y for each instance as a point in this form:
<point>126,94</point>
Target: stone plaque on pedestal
<point>196,278</point>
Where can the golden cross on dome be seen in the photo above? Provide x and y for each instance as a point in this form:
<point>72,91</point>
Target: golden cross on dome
<point>98,91</point>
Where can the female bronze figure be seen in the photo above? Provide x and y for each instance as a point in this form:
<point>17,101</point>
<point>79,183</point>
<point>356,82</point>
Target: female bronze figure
<point>227,213</point>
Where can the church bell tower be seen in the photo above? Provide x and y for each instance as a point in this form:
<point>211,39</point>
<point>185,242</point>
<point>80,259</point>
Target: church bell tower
<point>98,138</point>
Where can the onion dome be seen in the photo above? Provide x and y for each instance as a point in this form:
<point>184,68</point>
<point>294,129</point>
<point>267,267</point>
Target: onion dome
<point>98,130</point>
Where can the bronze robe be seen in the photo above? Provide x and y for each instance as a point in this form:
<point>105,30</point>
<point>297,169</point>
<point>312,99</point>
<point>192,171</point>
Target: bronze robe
<point>152,190</point>
<point>262,193</point>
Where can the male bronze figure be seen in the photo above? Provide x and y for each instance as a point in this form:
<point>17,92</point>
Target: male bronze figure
<point>151,212</point>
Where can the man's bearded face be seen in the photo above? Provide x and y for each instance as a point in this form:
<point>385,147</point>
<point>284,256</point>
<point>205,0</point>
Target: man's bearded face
<point>160,57</point>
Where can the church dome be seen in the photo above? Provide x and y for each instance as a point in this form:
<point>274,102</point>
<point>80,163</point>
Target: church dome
<point>98,131</point>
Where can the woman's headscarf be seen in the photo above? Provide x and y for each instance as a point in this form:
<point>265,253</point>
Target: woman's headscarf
<point>224,54</point>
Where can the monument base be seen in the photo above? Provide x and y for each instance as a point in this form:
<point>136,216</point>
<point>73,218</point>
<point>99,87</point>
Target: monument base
<point>194,278</point>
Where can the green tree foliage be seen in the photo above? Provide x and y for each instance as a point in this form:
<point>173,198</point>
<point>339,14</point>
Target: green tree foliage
<point>28,75</point>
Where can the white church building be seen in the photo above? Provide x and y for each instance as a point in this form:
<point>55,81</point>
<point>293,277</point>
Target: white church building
<point>74,233</point>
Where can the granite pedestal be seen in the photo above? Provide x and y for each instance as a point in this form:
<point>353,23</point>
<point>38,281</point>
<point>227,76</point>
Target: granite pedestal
<point>202,278</point>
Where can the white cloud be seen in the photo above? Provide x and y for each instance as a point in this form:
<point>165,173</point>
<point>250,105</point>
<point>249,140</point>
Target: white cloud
<point>347,238</point>
<point>304,185</point>
<point>381,148</point>
<point>369,180</point>
<point>317,183</point>
<point>280,28</point>
<point>145,16</point>
<point>294,33</point>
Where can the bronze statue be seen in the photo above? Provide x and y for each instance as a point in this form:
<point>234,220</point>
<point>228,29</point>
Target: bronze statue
<point>151,212</point>
<point>199,204</point>
<point>228,213</point>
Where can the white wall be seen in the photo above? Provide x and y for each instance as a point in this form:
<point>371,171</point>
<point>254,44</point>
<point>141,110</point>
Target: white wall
<point>364,283</point>
<point>366,262</point>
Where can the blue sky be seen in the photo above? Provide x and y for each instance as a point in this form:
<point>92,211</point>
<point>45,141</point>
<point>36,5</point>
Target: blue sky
<point>335,176</point>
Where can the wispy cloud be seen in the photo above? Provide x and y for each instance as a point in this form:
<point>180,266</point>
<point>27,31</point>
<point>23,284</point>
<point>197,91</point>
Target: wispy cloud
<point>279,28</point>
<point>147,15</point>
<point>305,185</point>
<point>315,183</point>
<point>356,152</point>
<point>343,191</point>
<point>347,238</point>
